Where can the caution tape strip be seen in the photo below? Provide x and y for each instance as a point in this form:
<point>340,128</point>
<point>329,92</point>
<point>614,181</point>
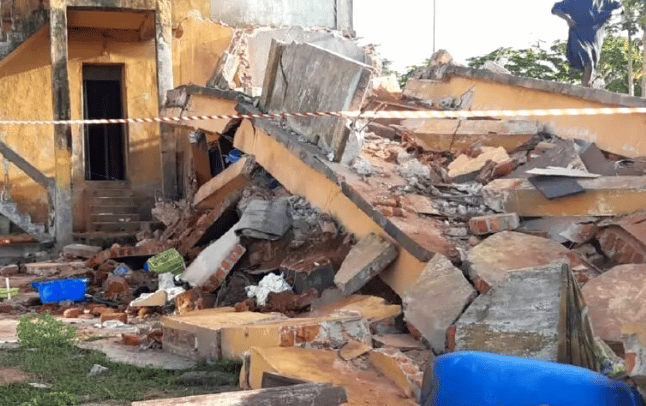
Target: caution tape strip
<point>419,114</point>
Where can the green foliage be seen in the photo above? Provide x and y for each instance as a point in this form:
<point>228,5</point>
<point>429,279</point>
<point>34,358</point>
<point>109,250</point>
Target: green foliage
<point>551,64</point>
<point>67,372</point>
<point>402,78</point>
<point>52,399</point>
<point>45,333</point>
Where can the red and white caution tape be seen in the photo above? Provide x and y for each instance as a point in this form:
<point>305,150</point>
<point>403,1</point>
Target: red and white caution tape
<point>412,114</point>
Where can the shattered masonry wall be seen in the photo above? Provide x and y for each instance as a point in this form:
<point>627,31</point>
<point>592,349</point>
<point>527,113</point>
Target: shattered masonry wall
<point>334,14</point>
<point>623,135</point>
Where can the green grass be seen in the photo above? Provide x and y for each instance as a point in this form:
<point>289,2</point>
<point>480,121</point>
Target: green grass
<point>65,368</point>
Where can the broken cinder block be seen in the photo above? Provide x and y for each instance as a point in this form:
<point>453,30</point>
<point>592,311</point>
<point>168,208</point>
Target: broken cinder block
<point>81,250</point>
<point>436,300</point>
<point>366,260</point>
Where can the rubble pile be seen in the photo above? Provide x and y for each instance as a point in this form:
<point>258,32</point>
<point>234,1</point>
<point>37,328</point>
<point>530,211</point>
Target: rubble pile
<point>360,264</point>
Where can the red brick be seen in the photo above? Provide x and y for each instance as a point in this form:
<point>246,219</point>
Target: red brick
<point>608,241</point>
<point>619,245</point>
<point>5,308</point>
<point>72,313</point>
<point>494,224</point>
<point>450,338</point>
<point>638,258</point>
<point>122,317</point>
<point>482,286</point>
<point>132,340</point>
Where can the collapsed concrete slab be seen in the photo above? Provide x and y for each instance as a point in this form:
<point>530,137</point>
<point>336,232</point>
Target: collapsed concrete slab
<point>503,253</point>
<point>445,134</point>
<point>616,302</point>
<point>226,334</point>
<point>230,181</point>
<point>604,196</point>
<point>365,386</point>
<point>381,317</point>
<point>436,300</point>
<point>314,394</point>
<point>465,168</point>
<point>531,313</point>
<point>244,64</point>
<point>308,78</point>
<point>366,260</point>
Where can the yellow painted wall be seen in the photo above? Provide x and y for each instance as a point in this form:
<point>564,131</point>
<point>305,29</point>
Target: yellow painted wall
<point>25,83</point>
<point>197,46</point>
<point>620,134</point>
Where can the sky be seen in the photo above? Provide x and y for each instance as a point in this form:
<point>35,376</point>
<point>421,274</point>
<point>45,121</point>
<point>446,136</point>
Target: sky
<point>403,29</point>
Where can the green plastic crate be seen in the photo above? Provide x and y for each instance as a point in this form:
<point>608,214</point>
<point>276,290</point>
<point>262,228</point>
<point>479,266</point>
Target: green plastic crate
<point>4,294</point>
<point>168,261</point>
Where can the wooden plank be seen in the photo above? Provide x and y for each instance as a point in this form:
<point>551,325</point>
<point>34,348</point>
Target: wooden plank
<point>313,394</point>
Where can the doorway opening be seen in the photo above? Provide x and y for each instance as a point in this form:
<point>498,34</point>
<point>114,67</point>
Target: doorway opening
<point>105,144</point>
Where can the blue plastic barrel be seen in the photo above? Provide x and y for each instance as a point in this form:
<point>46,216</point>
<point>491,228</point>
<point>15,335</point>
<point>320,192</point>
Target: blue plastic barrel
<point>61,289</point>
<point>471,378</point>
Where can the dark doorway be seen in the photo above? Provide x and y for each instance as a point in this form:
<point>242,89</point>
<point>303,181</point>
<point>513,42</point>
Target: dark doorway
<point>105,144</point>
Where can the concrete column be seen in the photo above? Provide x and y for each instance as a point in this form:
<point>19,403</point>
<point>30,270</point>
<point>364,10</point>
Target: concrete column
<point>344,16</point>
<point>164,52</point>
<point>62,111</point>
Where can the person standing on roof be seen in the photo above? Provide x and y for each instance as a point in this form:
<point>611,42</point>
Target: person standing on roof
<point>586,19</point>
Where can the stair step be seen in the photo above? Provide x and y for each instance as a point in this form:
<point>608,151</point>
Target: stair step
<point>101,185</point>
<point>113,201</point>
<point>108,192</point>
<point>97,210</point>
<point>115,217</point>
<point>132,226</point>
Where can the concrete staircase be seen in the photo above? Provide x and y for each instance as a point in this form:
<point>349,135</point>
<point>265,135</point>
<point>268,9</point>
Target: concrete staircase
<point>9,209</point>
<point>113,210</point>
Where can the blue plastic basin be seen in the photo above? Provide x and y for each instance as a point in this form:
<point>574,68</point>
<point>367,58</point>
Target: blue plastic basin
<point>61,289</point>
<point>471,378</point>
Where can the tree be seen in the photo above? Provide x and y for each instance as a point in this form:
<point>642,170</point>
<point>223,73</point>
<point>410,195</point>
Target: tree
<point>551,63</point>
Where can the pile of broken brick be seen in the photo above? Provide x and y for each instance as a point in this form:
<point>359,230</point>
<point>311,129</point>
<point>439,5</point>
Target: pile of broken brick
<point>270,279</point>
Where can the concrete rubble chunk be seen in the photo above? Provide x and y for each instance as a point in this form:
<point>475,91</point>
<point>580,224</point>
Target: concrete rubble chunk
<point>156,299</point>
<point>502,253</point>
<point>400,369</point>
<point>382,317</point>
<point>604,196</point>
<point>436,300</point>
<point>364,386</point>
<point>306,77</point>
<point>616,302</point>
<point>223,333</point>
<point>403,342</point>
<point>232,180</point>
<point>211,267</point>
<point>534,313</point>
<point>81,250</point>
<point>465,166</point>
<point>313,394</point>
<point>267,220</point>
<point>366,260</point>
<point>354,349</point>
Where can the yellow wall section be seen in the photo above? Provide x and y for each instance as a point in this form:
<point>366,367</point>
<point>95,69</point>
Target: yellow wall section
<point>302,180</point>
<point>25,85</point>
<point>197,46</point>
<point>621,134</point>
